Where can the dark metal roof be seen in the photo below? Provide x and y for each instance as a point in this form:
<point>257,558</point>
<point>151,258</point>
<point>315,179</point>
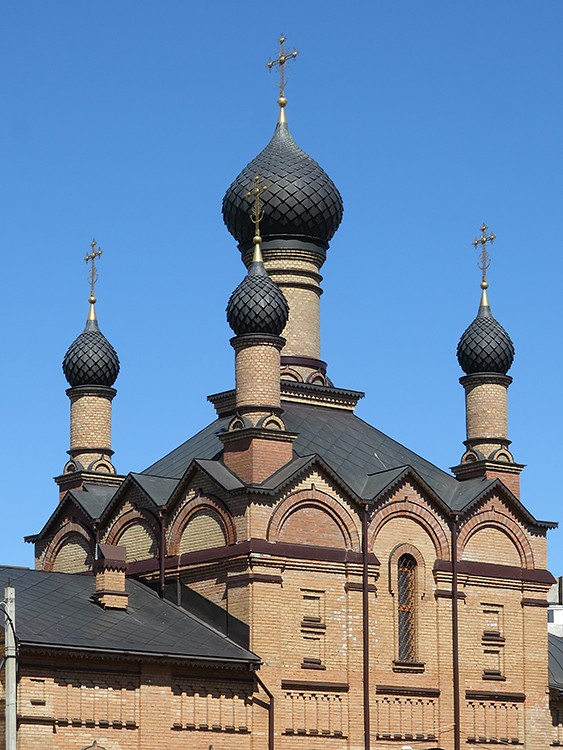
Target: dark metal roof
<point>301,200</point>
<point>351,447</point>
<point>485,346</point>
<point>55,609</point>
<point>159,489</point>
<point>94,499</point>
<point>257,305</point>
<point>361,456</point>
<point>91,359</point>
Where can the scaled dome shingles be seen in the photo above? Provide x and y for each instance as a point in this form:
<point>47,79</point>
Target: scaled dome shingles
<point>485,346</point>
<point>91,359</point>
<point>257,305</point>
<point>301,199</point>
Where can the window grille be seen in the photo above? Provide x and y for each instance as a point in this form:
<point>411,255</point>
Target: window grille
<point>406,590</point>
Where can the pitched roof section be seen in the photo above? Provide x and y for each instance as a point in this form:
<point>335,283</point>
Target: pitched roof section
<point>364,458</point>
<point>159,489</point>
<point>205,444</point>
<point>92,499</point>
<point>55,609</point>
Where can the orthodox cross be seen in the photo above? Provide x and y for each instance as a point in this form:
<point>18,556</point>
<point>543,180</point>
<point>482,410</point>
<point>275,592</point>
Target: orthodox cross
<point>256,213</point>
<point>485,258</point>
<point>281,60</point>
<point>93,275</point>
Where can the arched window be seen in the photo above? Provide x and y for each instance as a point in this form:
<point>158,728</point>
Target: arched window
<point>406,598</point>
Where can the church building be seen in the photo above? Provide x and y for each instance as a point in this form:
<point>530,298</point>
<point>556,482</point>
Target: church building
<point>289,578</point>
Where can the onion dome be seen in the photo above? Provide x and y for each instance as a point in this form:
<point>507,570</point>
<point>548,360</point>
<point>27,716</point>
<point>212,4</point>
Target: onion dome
<point>302,201</point>
<point>91,359</point>
<point>257,305</point>
<point>485,346</point>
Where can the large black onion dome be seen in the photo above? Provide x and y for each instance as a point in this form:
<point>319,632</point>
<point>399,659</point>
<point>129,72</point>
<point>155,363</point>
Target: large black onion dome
<point>301,200</point>
<point>485,346</point>
<point>91,359</point>
<point>257,305</point>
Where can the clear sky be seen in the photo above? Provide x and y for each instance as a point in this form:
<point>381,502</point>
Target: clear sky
<point>127,120</point>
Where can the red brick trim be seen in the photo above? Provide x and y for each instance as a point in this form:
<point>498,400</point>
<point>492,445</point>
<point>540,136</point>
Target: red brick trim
<point>484,695</point>
<point>189,509</point>
<point>490,517</point>
<point>492,570</point>
<point>414,692</point>
<point>535,603</point>
<point>409,508</point>
<point>357,586</point>
<point>328,687</point>
<point>321,500</point>
<point>244,578</point>
<point>58,541</point>
<point>446,594</point>
<point>131,517</point>
<point>260,546</point>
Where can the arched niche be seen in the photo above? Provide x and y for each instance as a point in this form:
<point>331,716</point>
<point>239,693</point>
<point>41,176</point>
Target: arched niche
<point>139,540</point>
<point>203,530</point>
<point>488,542</point>
<point>73,554</point>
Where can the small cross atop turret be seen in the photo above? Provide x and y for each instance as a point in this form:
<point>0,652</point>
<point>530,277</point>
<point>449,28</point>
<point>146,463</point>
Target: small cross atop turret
<point>485,258</point>
<point>256,213</point>
<point>93,275</point>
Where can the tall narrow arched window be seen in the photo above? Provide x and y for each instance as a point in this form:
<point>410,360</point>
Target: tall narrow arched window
<point>406,599</point>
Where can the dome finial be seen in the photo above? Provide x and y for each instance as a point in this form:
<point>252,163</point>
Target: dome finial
<point>92,276</point>
<point>484,260</point>
<point>281,60</point>
<point>256,215</point>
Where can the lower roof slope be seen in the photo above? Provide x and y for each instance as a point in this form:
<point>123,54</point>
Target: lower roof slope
<point>57,610</point>
<point>352,448</point>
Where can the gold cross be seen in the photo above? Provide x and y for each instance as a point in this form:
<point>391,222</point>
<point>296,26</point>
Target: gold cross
<point>93,275</point>
<point>485,258</point>
<point>257,212</point>
<point>282,58</point>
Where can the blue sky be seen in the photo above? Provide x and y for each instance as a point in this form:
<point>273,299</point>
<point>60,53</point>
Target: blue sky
<point>127,120</point>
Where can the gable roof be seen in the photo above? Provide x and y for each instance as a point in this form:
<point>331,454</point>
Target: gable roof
<point>91,499</point>
<point>56,610</point>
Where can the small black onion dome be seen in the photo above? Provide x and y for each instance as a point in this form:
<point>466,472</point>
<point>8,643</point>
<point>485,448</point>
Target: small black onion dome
<point>301,199</point>
<point>485,346</point>
<point>91,359</point>
<point>257,305</point>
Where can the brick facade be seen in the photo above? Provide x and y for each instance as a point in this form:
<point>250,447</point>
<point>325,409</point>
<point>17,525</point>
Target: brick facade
<point>302,605</point>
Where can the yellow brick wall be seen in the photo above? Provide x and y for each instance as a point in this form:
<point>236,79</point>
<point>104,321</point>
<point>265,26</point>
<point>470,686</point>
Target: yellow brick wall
<point>74,556</point>
<point>491,545</point>
<point>90,421</point>
<point>257,375</point>
<point>204,530</point>
<point>139,541</point>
